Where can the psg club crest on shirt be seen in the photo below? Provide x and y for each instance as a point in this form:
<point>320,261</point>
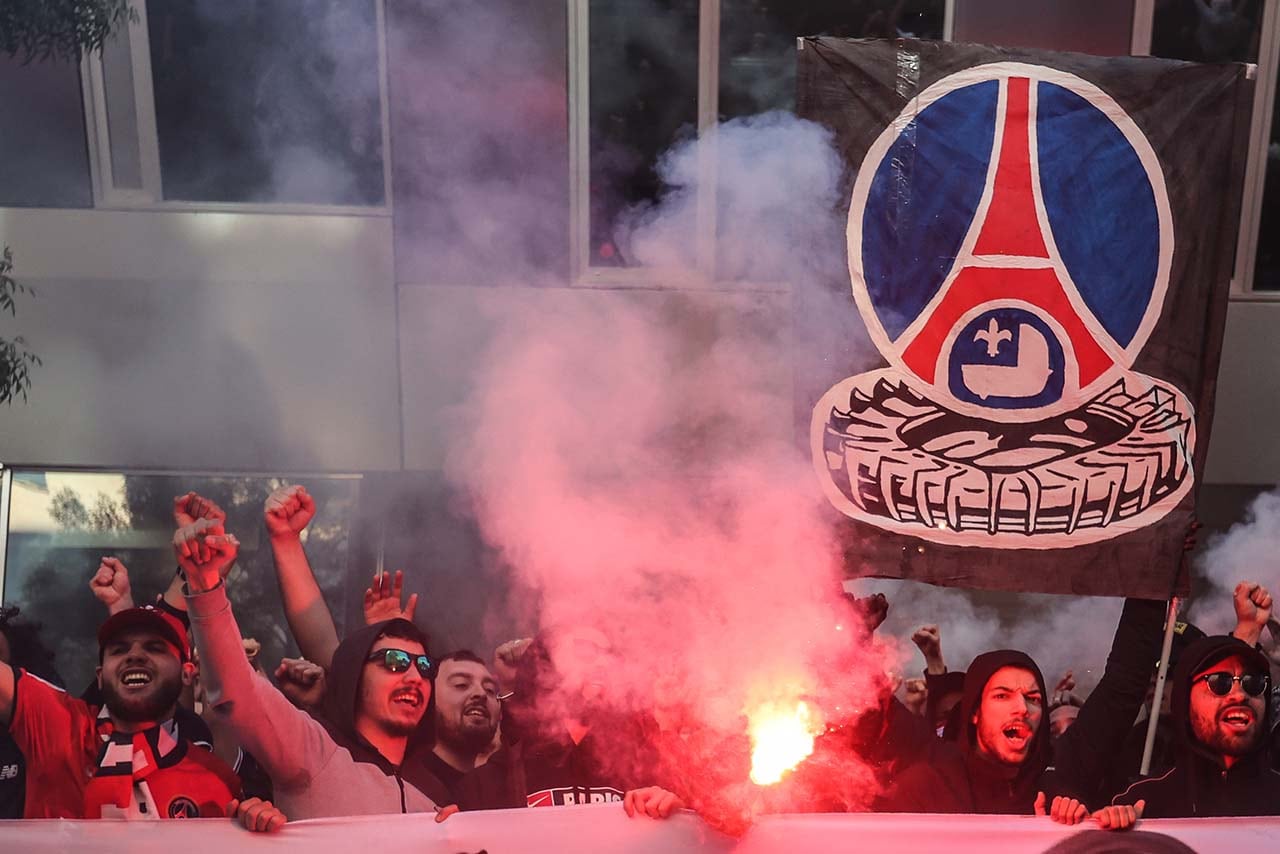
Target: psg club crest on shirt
<point>1010,414</point>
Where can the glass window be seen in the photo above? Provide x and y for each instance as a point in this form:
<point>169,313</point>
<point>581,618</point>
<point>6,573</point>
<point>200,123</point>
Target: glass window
<point>1226,31</point>
<point>44,156</point>
<point>1207,30</point>
<point>1266,272</point>
<point>643,58</point>
<point>62,523</point>
<point>758,42</point>
<point>268,101</point>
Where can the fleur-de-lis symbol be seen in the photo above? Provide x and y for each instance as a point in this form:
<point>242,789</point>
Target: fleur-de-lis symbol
<point>993,335</point>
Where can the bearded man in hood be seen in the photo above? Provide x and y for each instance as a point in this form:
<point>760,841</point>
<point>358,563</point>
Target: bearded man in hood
<point>1221,721</point>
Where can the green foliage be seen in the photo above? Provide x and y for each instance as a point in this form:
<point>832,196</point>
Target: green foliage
<point>59,29</point>
<point>16,361</point>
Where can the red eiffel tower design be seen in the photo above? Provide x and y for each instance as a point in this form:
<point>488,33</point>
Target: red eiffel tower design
<point>1010,228</point>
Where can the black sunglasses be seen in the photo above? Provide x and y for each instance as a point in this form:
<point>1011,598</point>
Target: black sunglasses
<point>1253,684</point>
<point>398,661</point>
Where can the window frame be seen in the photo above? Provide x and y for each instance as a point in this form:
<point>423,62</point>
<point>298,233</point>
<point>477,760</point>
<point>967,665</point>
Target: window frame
<point>150,197</point>
<point>582,273</point>
<point>7,471</point>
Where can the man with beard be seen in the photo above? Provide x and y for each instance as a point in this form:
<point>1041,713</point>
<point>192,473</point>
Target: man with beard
<point>1003,761</point>
<point>378,688</point>
<point>467,716</point>
<point>132,762</point>
<point>1221,720</point>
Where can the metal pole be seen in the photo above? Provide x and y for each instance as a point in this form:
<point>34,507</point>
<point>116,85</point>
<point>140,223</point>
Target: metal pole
<point>1161,673</point>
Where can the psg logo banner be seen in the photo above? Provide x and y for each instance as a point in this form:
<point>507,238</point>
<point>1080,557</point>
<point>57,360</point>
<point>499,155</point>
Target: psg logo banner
<point>1018,390</point>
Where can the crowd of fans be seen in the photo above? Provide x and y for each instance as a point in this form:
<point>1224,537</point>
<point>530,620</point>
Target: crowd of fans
<point>183,721</point>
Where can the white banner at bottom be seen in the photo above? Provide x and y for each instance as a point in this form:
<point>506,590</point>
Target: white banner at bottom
<point>605,828</point>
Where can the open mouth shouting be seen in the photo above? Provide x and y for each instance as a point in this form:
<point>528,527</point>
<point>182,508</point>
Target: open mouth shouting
<point>1237,719</point>
<point>476,712</point>
<point>1018,735</point>
<point>135,679</point>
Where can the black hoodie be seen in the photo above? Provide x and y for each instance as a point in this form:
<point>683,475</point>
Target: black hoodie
<point>342,694</point>
<point>956,778</point>
<point>1198,785</point>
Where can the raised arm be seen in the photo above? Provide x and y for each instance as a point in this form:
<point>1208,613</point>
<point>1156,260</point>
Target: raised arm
<point>287,742</point>
<point>110,585</point>
<point>287,513</point>
<point>1084,753</point>
<point>929,640</point>
<point>187,510</point>
<point>1253,610</point>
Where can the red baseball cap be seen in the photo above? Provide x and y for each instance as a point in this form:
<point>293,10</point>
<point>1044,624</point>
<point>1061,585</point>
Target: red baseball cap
<point>148,618</point>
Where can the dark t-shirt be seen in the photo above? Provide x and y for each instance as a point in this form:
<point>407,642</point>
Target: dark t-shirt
<point>616,755</point>
<point>496,785</point>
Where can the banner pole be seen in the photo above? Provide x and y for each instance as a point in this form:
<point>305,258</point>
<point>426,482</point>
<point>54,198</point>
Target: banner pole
<point>1162,672</point>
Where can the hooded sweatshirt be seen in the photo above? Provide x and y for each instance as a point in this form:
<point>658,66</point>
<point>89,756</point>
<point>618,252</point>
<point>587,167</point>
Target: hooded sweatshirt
<point>956,777</point>
<point>959,779</point>
<point>1198,785</point>
<point>318,770</point>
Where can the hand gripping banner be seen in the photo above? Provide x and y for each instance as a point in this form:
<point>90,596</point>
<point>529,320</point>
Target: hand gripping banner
<point>1040,248</point>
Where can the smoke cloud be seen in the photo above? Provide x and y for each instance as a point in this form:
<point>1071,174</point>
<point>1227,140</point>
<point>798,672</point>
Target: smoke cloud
<point>1245,552</point>
<point>631,455</point>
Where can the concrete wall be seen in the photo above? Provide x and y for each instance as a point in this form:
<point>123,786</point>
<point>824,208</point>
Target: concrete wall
<point>205,341</point>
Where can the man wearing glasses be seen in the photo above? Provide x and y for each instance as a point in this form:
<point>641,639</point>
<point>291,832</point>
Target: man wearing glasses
<point>359,761</point>
<point>1221,720</point>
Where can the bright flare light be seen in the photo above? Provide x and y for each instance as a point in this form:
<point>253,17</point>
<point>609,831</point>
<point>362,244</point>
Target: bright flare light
<point>780,740</point>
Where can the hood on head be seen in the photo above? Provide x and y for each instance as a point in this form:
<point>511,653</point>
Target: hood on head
<point>1196,657</point>
<point>343,691</point>
<point>975,681</point>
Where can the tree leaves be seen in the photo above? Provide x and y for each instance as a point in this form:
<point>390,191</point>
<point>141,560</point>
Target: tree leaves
<point>16,361</point>
<point>59,29</point>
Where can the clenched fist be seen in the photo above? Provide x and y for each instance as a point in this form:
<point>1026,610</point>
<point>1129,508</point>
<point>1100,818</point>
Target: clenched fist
<point>110,584</point>
<point>288,511</point>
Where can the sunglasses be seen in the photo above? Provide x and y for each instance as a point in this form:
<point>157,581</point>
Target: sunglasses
<point>398,661</point>
<point>1253,684</point>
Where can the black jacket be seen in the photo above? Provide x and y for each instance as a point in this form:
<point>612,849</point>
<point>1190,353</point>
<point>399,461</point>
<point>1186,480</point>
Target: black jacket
<point>957,779</point>
<point>1198,785</point>
<point>342,693</point>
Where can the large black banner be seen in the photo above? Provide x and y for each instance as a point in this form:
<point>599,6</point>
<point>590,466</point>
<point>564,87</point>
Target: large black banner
<point>1040,248</point>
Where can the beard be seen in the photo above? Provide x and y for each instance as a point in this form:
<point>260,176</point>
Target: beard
<point>464,735</point>
<point>151,705</point>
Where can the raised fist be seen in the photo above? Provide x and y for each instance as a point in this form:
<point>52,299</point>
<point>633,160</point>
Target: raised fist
<point>302,681</point>
<point>190,507</point>
<point>915,695</point>
<point>288,511</point>
<point>506,659</point>
<point>1253,605</point>
<point>205,552</point>
<point>110,584</point>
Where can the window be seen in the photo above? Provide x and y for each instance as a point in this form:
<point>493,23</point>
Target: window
<point>61,523</point>
<point>44,161</point>
<point>758,42</point>
<point>267,102</point>
<point>1266,270</point>
<point>643,91</point>
<point>648,74</point>
<point>211,103</point>
<point>1233,31</point>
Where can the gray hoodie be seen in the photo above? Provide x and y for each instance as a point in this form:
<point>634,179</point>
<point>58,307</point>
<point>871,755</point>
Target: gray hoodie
<point>314,775</point>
